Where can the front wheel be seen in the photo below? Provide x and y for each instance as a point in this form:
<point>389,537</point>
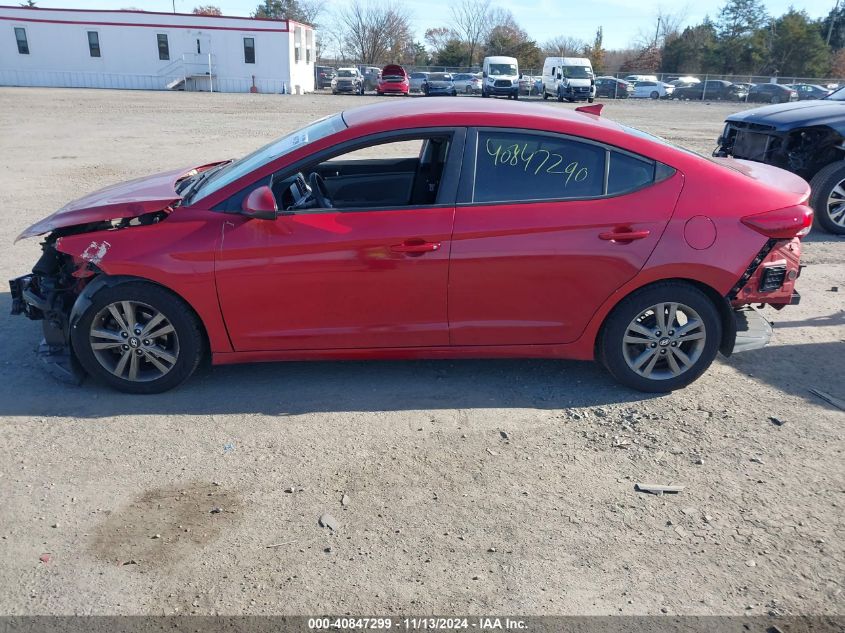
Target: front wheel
<point>828,197</point>
<point>654,94</point>
<point>138,337</point>
<point>545,94</point>
<point>661,338</point>
<point>590,100</point>
<point>516,95</point>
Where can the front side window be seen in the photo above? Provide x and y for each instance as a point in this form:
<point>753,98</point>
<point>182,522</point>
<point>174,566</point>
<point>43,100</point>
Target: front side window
<point>23,44</point>
<point>94,43</point>
<point>267,154</point>
<point>163,46</point>
<point>516,166</point>
<point>249,50</point>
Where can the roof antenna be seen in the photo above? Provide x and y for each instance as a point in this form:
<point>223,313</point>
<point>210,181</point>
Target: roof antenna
<point>591,109</point>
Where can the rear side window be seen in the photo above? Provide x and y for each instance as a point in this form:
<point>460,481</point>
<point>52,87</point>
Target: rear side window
<point>515,166</point>
<point>627,173</point>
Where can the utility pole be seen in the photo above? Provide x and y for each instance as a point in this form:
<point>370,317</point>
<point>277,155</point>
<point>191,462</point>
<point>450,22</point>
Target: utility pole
<point>657,31</point>
<point>174,5</point>
<point>832,21</point>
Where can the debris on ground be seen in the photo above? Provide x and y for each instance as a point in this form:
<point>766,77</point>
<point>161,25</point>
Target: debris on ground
<point>228,447</point>
<point>504,435</point>
<point>129,562</point>
<point>44,558</point>
<point>836,402</point>
<point>657,489</point>
<point>776,421</point>
<point>327,520</point>
<point>344,500</point>
<point>274,545</point>
<point>216,510</point>
<point>493,453</point>
<point>757,460</point>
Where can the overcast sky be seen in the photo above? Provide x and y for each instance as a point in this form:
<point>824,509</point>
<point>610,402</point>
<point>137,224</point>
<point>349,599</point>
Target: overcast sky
<point>623,20</point>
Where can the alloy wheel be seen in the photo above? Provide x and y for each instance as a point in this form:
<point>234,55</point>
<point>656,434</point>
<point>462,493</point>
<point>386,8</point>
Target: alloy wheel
<point>134,341</point>
<point>664,341</point>
<point>836,204</point>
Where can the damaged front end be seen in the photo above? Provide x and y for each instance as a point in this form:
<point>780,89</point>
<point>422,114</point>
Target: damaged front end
<point>802,151</point>
<point>50,292</point>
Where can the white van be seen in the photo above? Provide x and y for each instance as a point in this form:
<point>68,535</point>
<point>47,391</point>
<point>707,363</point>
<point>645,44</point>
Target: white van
<point>500,77</point>
<point>569,78</point>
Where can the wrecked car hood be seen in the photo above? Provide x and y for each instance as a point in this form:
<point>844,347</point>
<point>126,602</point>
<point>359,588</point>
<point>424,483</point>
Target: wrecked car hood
<point>123,200</point>
<point>787,116</point>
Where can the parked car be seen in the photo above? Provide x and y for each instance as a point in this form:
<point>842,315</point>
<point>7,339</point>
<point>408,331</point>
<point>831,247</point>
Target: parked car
<point>464,82</point>
<point>372,75</point>
<point>635,78</point>
<point>712,89</point>
<point>439,84</point>
<point>348,80</point>
<point>652,90</point>
<point>394,80</point>
<point>809,91</point>
<point>613,88</point>
<point>279,255</point>
<point>772,93</point>
<point>807,138</point>
<point>323,76</point>
<point>417,80</point>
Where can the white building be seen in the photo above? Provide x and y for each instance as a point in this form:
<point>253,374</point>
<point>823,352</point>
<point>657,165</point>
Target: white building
<point>153,51</point>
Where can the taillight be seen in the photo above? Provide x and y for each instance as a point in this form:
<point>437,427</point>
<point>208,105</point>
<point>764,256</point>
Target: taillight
<point>782,224</point>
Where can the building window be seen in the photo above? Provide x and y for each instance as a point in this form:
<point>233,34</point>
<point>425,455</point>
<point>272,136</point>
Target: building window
<point>199,48</point>
<point>20,36</point>
<point>249,50</point>
<point>297,44</point>
<point>163,46</point>
<point>94,43</point>
<point>309,46</point>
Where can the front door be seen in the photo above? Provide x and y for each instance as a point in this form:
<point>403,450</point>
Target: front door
<point>370,273</point>
<point>547,235</point>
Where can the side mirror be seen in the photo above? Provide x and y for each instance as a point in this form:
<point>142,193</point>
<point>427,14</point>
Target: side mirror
<point>484,74</point>
<point>260,204</point>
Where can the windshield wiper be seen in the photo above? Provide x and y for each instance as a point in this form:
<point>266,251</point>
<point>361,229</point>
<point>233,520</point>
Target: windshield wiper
<point>198,180</point>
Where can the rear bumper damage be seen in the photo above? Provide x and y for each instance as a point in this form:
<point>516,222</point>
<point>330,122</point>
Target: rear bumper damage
<point>753,330</point>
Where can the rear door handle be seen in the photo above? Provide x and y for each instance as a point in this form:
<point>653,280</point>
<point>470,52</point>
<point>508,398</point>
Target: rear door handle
<point>624,236</point>
<point>415,247</point>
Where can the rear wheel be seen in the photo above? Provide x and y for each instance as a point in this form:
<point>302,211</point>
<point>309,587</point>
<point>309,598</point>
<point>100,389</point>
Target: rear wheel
<point>828,197</point>
<point>661,338</point>
<point>654,94</point>
<point>138,337</point>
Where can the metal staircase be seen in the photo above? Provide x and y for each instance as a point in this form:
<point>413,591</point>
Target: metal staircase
<point>189,70</point>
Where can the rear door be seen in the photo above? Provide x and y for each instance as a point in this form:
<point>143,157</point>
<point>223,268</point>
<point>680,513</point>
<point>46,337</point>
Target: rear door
<point>546,228</point>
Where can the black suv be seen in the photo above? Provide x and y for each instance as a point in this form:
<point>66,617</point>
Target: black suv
<point>806,138</point>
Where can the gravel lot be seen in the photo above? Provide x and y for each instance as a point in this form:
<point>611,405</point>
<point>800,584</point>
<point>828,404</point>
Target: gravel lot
<point>472,486</point>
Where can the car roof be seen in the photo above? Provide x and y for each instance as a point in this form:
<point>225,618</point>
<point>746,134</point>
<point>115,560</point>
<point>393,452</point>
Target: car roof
<point>468,112</point>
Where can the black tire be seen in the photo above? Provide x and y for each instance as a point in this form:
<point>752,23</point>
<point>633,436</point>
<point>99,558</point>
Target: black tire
<point>590,100</point>
<point>187,334</point>
<point>654,94</point>
<point>545,94</point>
<point>516,96</point>
<point>775,99</point>
<point>822,185</point>
<point>611,344</point>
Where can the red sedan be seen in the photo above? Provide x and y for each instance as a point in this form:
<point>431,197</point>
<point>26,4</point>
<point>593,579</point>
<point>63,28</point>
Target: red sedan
<point>394,80</point>
<point>422,229</point>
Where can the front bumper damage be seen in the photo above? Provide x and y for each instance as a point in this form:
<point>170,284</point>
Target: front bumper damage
<point>38,298</point>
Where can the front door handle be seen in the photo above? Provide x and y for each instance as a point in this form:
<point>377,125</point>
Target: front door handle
<point>415,247</point>
<point>624,235</point>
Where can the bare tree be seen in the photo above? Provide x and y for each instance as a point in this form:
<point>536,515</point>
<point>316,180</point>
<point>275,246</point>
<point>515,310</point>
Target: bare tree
<point>374,32</point>
<point>470,19</point>
<point>563,46</point>
<point>312,10</point>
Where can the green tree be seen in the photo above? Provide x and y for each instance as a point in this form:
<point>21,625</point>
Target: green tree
<point>742,46</point>
<point>207,9</point>
<point>453,53</point>
<point>512,41</point>
<point>595,52</point>
<point>693,51</point>
<point>797,47</point>
<point>306,11</point>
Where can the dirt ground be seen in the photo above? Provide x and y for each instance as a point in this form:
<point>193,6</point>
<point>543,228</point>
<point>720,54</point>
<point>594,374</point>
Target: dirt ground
<point>472,487</point>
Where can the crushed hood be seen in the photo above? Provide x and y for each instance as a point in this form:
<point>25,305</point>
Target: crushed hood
<point>786,116</point>
<point>124,200</point>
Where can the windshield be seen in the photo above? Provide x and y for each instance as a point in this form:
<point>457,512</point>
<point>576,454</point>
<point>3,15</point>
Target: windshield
<point>440,77</point>
<point>345,73</point>
<point>577,72</point>
<point>239,168</point>
<point>502,69</point>
<point>838,95</point>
